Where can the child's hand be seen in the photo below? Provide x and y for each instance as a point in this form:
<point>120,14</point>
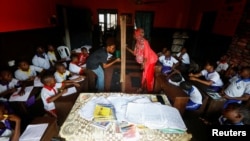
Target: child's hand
<point>76,84</point>
<point>12,90</point>
<point>32,78</point>
<point>191,74</point>
<point>14,118</point>
<point>205,121</point>
<point>21,92</point>
<point>64,91</point>
<point>193,78</point>
<point>117,60</point>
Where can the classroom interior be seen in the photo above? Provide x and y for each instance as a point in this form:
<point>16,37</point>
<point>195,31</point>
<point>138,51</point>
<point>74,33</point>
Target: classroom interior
<point>207,28</point>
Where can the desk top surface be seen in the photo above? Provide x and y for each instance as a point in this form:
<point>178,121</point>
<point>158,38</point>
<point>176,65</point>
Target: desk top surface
<point>75,128</point>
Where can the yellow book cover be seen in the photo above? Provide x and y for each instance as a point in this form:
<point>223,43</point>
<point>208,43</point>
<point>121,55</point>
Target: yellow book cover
<point>102,111</point>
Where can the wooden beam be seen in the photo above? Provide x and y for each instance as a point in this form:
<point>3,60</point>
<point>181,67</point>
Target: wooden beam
<point>123,52</point>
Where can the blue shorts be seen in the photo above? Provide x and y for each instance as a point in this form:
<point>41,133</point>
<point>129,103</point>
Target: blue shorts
<point>166,69</point>
<point>192,106</point>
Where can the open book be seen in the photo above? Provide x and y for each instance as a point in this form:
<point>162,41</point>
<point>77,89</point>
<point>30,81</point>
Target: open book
<point>155,116</point>
<point>16,97</point>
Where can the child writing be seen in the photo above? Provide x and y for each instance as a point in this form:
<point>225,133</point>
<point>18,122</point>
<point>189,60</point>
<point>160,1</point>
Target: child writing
<point>238,89</point>
<point>169,63</point>
<point>233,114</point>
<point>212,80</point>
<point>7,133</point>
<point>50,92</point>
<point>83,57</point>
<point>26,72</point>
<point>9,85</point>
<point>75,69</point>
<point>62,75</point>
<point>195,98</point>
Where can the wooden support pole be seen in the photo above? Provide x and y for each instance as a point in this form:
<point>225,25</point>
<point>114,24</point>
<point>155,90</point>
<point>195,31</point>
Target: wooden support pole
<point>123,52</point>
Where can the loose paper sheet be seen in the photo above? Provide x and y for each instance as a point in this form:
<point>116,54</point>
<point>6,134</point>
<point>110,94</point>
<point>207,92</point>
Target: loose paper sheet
<point>70,91</point>
<point>16,97</point>
<point>33,132</point>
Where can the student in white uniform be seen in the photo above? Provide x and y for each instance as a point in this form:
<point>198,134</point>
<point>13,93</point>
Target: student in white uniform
<point>50,92</point>
<point>195,98</point>
<point>41,59</point>
<point>8,84</point>
<point>7,132</point>
<point>222,64</point>
<point>212,78</point>
<point>51,54</point>
<point>169,63</point>
<point>26,72</point>
<point>63,75</point>
<point>238,89</point>
<point>184,60</point>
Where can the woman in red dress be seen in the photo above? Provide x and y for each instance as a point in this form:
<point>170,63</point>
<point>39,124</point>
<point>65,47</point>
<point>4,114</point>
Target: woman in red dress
<point>146,57</point>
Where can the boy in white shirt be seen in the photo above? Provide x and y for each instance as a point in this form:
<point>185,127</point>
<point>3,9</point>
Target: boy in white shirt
<point>50,92</point>
<point>168,62</point>
<point>222,64</point>
<point>238,89</point>
<point>184,60</point>
<point>41,59</point>
<point>51,54</point>
<point>9,85</point>
<point>62,75</point>
<point>26,72</point>
<point>195,98</point>
<point>212,80</point>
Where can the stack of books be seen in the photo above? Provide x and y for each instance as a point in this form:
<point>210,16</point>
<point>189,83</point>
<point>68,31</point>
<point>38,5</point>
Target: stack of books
<point>103,115</point>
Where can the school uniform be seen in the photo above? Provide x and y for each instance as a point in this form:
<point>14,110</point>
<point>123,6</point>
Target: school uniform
<point>167,63</point>
<point>223,121</point>
<point>24,75</point>
<point>185,58</point>
<point>215,77</point>
<point>6,133</point>
<point>195,99</point>
<point>52,57</point>
<point>47,93</point>
<point>41,61</point>
<point>61,77</point>
<point>74,68</point>
<point>237,88</point>
<point>221,66</point>
<point>6,86</point>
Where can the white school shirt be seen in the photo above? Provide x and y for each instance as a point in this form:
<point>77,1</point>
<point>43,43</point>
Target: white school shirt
<point>238,87</point>
<point>214,76</point>
<point>185,58</point>
<point>41,62</point>
<point>47,93</point>
<point>52,57</point>
<point>74,68</point>
<point>24,75</point>
<point>195,95</point>
<point>221,66</point>
<point>12,84</point>
<point>61,77</point>
<point>168,62</point>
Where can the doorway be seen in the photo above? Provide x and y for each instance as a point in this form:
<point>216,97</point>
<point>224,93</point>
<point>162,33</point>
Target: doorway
<point>144,20</point>
<point>203,47</point>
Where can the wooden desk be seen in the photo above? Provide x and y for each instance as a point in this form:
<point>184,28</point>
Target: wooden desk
<point>176,95</point>
<point>52,129</point>
<point>213,107</point>
<point>76,128</point>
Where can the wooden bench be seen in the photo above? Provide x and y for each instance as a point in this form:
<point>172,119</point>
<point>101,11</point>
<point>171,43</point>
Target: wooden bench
<point>177,97</point>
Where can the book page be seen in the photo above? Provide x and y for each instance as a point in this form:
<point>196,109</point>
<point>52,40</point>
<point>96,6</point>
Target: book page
<point>33,132</point>
<point>70,91</point>
<point>155,116</point>
<point>16,97</point>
